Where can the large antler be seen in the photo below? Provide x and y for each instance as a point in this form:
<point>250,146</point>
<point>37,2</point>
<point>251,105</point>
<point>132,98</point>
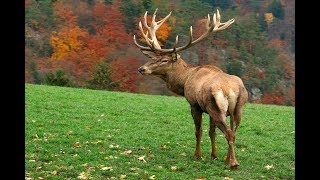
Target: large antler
<point>153,45</point>
<point>154,26</point>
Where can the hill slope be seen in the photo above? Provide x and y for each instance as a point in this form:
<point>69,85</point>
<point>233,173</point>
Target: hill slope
<point>82,133</point>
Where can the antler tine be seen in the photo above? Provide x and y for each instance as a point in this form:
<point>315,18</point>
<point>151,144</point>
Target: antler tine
<point>176,42</point>
<point>190,34</point>
<point>137,44</point>
<point>154,16</point>
<point>214,19</point>
<point>159,23</point>
<point>208,22</point>
<point>226,24</point>
<point>211,27</point>
<point>145,36</point>
<point>145,21</point>
<point>221,26</point>
<point>218,16</point>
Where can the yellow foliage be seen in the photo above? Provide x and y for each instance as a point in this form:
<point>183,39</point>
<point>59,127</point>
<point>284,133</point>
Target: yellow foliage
<point>268,17</point>
<point>66,41</point>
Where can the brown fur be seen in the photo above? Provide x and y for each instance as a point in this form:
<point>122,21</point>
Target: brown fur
<point>207,89</point>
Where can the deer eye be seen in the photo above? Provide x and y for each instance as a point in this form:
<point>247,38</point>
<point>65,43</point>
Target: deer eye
<point>164,61</point>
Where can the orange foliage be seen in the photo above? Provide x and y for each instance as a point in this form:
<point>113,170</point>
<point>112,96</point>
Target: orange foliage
<point>162,33</point>
<point>70,36</point>
<point>66,41</point>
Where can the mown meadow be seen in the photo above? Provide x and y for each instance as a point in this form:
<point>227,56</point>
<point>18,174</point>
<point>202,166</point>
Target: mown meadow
<point>73,133</point>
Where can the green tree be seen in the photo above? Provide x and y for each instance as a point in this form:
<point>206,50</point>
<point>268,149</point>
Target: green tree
<point>272,79</point>
<point>146,4</point>
<point>108,2</point>
<point>39,14</point>
<point>35,74</point>
<point>223,4</point>
<point>234,67</point>
<point>131,12</point>
<point>101,78</point>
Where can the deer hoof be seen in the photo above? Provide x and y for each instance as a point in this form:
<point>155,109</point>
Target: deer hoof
<point>214,157</point>
<point>197,156</point>
<point>234,166</point>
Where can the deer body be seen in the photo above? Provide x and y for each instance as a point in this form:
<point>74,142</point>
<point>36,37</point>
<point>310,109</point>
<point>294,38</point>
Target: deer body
<point>207,88</point>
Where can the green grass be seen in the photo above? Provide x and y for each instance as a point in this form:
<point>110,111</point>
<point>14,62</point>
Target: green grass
<point>114,130</point>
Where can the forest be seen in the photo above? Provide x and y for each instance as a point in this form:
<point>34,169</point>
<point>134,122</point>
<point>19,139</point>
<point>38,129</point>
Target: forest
<point>89,43</point>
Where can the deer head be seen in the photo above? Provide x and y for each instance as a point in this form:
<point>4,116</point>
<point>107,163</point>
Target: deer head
<point>162,59</point>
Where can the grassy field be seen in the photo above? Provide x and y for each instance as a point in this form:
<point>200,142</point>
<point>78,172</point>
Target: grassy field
<point>88,134</point>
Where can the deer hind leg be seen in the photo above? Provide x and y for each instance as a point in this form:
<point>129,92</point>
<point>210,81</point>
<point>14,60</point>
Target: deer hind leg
<point>236,115</point>
<point>230,137</point>
<point>197,118</point>
<point>235,119</point>
<point>212,134</point>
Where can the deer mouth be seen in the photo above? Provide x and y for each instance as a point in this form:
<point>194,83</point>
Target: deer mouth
<point>142,70</point>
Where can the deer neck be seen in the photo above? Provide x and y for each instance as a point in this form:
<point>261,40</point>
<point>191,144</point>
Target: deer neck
<point>177,76</point>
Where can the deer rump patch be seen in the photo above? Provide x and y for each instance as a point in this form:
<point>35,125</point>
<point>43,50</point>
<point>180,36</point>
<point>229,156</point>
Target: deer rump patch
<point>225,102</point>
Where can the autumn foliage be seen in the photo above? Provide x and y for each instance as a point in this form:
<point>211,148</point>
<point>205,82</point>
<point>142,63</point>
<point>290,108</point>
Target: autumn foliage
<point>74,37</point>
<point>83,50</point>
<point>66,41</point>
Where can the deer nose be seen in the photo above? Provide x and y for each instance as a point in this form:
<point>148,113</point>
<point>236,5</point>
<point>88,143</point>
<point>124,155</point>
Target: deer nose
<point>141,70</point>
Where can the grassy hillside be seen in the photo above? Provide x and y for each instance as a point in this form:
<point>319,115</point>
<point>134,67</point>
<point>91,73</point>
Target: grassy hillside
<point>79,133</point>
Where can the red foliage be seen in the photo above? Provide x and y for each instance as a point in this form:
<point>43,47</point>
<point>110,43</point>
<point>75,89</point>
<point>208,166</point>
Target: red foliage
<point>272,99</point>
<point>126,74</point>
<point>109,25</point>
<point>80,50</point>
<point>290,96</point>
<point>65,15</point>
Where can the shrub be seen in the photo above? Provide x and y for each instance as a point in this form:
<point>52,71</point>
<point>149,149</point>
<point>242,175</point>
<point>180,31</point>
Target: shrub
<point>57,79</point>
<point>101,78</point>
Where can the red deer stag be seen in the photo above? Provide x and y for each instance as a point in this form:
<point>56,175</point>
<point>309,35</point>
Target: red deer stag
<point>207,88</point>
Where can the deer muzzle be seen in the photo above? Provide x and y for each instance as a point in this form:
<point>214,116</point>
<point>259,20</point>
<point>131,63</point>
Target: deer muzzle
<point>142,70</point>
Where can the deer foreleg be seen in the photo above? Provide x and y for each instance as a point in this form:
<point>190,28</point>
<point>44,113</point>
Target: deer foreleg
<point>197,118</point>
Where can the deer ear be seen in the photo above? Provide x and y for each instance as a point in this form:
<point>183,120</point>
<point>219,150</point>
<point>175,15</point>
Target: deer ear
<point>149,54</point>
<point>175,56</point>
